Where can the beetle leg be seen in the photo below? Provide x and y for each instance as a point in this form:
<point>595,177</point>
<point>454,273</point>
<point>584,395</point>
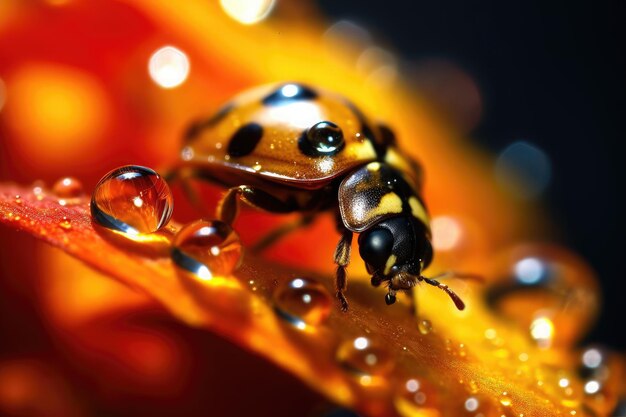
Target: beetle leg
<point>281,231</point>
<point>455,298</point>
<point>228,207</point>
<point>342,259</point>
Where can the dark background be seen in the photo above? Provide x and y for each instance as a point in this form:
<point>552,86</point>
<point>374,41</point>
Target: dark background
<point>550,73</point>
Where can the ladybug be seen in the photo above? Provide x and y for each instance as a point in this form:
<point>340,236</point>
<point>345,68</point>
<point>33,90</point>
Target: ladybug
<point>293,148</point>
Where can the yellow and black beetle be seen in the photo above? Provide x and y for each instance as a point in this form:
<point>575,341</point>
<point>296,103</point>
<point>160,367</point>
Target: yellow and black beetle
<point>289,147</point>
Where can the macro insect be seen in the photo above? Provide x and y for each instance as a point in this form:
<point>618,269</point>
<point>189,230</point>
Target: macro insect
<point>292,148</point>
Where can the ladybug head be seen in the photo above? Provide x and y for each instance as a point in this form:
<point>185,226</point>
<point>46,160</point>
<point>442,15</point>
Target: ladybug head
<point>395,249</point>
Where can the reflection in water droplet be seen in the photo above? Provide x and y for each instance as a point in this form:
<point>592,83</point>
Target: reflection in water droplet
<point>542,330</point>
<point>65,224</point>
<point>303,302</point>
<point>592,387</point>
<point>207,248</point>
<point>592,358</point>
<point>363,356</point>
<point>424,326</point>
<point>68,187</point>
<point>505,400</point>
<point>132,199</point>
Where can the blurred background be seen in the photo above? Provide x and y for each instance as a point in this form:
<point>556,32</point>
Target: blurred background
<point>514,109</point>
<point>551,75</point>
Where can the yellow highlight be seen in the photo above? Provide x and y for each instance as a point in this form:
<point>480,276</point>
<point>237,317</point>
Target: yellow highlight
<point>391,261</point>
<point>57,111</point>
<point>418,210</point>
<point>390,203</point>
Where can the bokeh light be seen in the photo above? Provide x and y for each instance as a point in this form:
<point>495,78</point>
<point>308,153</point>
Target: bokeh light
<point>168,67</point>
<point>58,112</point>
<point>524,170</point>
<point>248,12</point>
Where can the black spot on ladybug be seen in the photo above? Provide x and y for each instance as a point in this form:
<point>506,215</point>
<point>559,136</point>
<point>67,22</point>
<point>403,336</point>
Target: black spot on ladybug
<point>288,93</point>
<point>321,139</point>
<point>245,140</point>
<point>198,126</point>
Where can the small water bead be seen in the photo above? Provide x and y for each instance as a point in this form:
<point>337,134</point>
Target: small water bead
<point>505,400</point>
<point>302,302</point>
<point>132,199</point>
<point>68,187</point>
<point>207,248</point>
<point>424,326</point>
<point>363,356</point>
<point>65,224</point>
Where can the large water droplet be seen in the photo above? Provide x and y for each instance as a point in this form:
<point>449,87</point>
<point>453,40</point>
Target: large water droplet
<point>363,356</point>
<point>132,199</point>
<point>536,283</point>
<point>207,248</point>
<point>68,187</point>
<point>303,302</point>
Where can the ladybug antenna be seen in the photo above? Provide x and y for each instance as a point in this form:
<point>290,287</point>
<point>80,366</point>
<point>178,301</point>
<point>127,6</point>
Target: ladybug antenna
<point>455,298</point>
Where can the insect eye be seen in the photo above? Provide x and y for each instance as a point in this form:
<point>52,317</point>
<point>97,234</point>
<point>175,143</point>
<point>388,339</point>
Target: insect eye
<point>375,247</point>
<point>322,139</point>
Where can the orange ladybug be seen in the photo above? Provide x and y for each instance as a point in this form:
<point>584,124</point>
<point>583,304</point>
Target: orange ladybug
<point>291,147</point>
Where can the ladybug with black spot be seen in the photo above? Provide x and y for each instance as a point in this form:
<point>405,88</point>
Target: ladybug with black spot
<point>292,148</point>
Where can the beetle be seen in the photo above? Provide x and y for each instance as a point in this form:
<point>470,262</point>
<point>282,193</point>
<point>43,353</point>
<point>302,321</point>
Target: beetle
<point>293,148</point>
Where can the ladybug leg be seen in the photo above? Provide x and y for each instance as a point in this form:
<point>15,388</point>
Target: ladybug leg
<point>228,207</point>
<point>281,231</point>
<point>342,259</point>
<point>459,275</point>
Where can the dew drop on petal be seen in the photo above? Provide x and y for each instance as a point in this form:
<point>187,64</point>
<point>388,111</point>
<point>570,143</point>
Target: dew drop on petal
<point>207,248</point>
<point>424,326</point>
<point>65,224</point>
<point>133,200</point>
<point>363,356</point>
<point>302,302</point>
<point>68,187</point>
<point>546,289</point>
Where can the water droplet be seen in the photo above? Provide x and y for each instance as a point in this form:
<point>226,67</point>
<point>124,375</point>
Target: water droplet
<point>505,400</point>
<point>132,199</point>
<point>415,397</point>
<point>65,224</point>
<point>207,248</point>
<point>363,356</point>
<point>544,282</point>
<point>303,302</point>
<point>424,326</point>
<point>68,187</point>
